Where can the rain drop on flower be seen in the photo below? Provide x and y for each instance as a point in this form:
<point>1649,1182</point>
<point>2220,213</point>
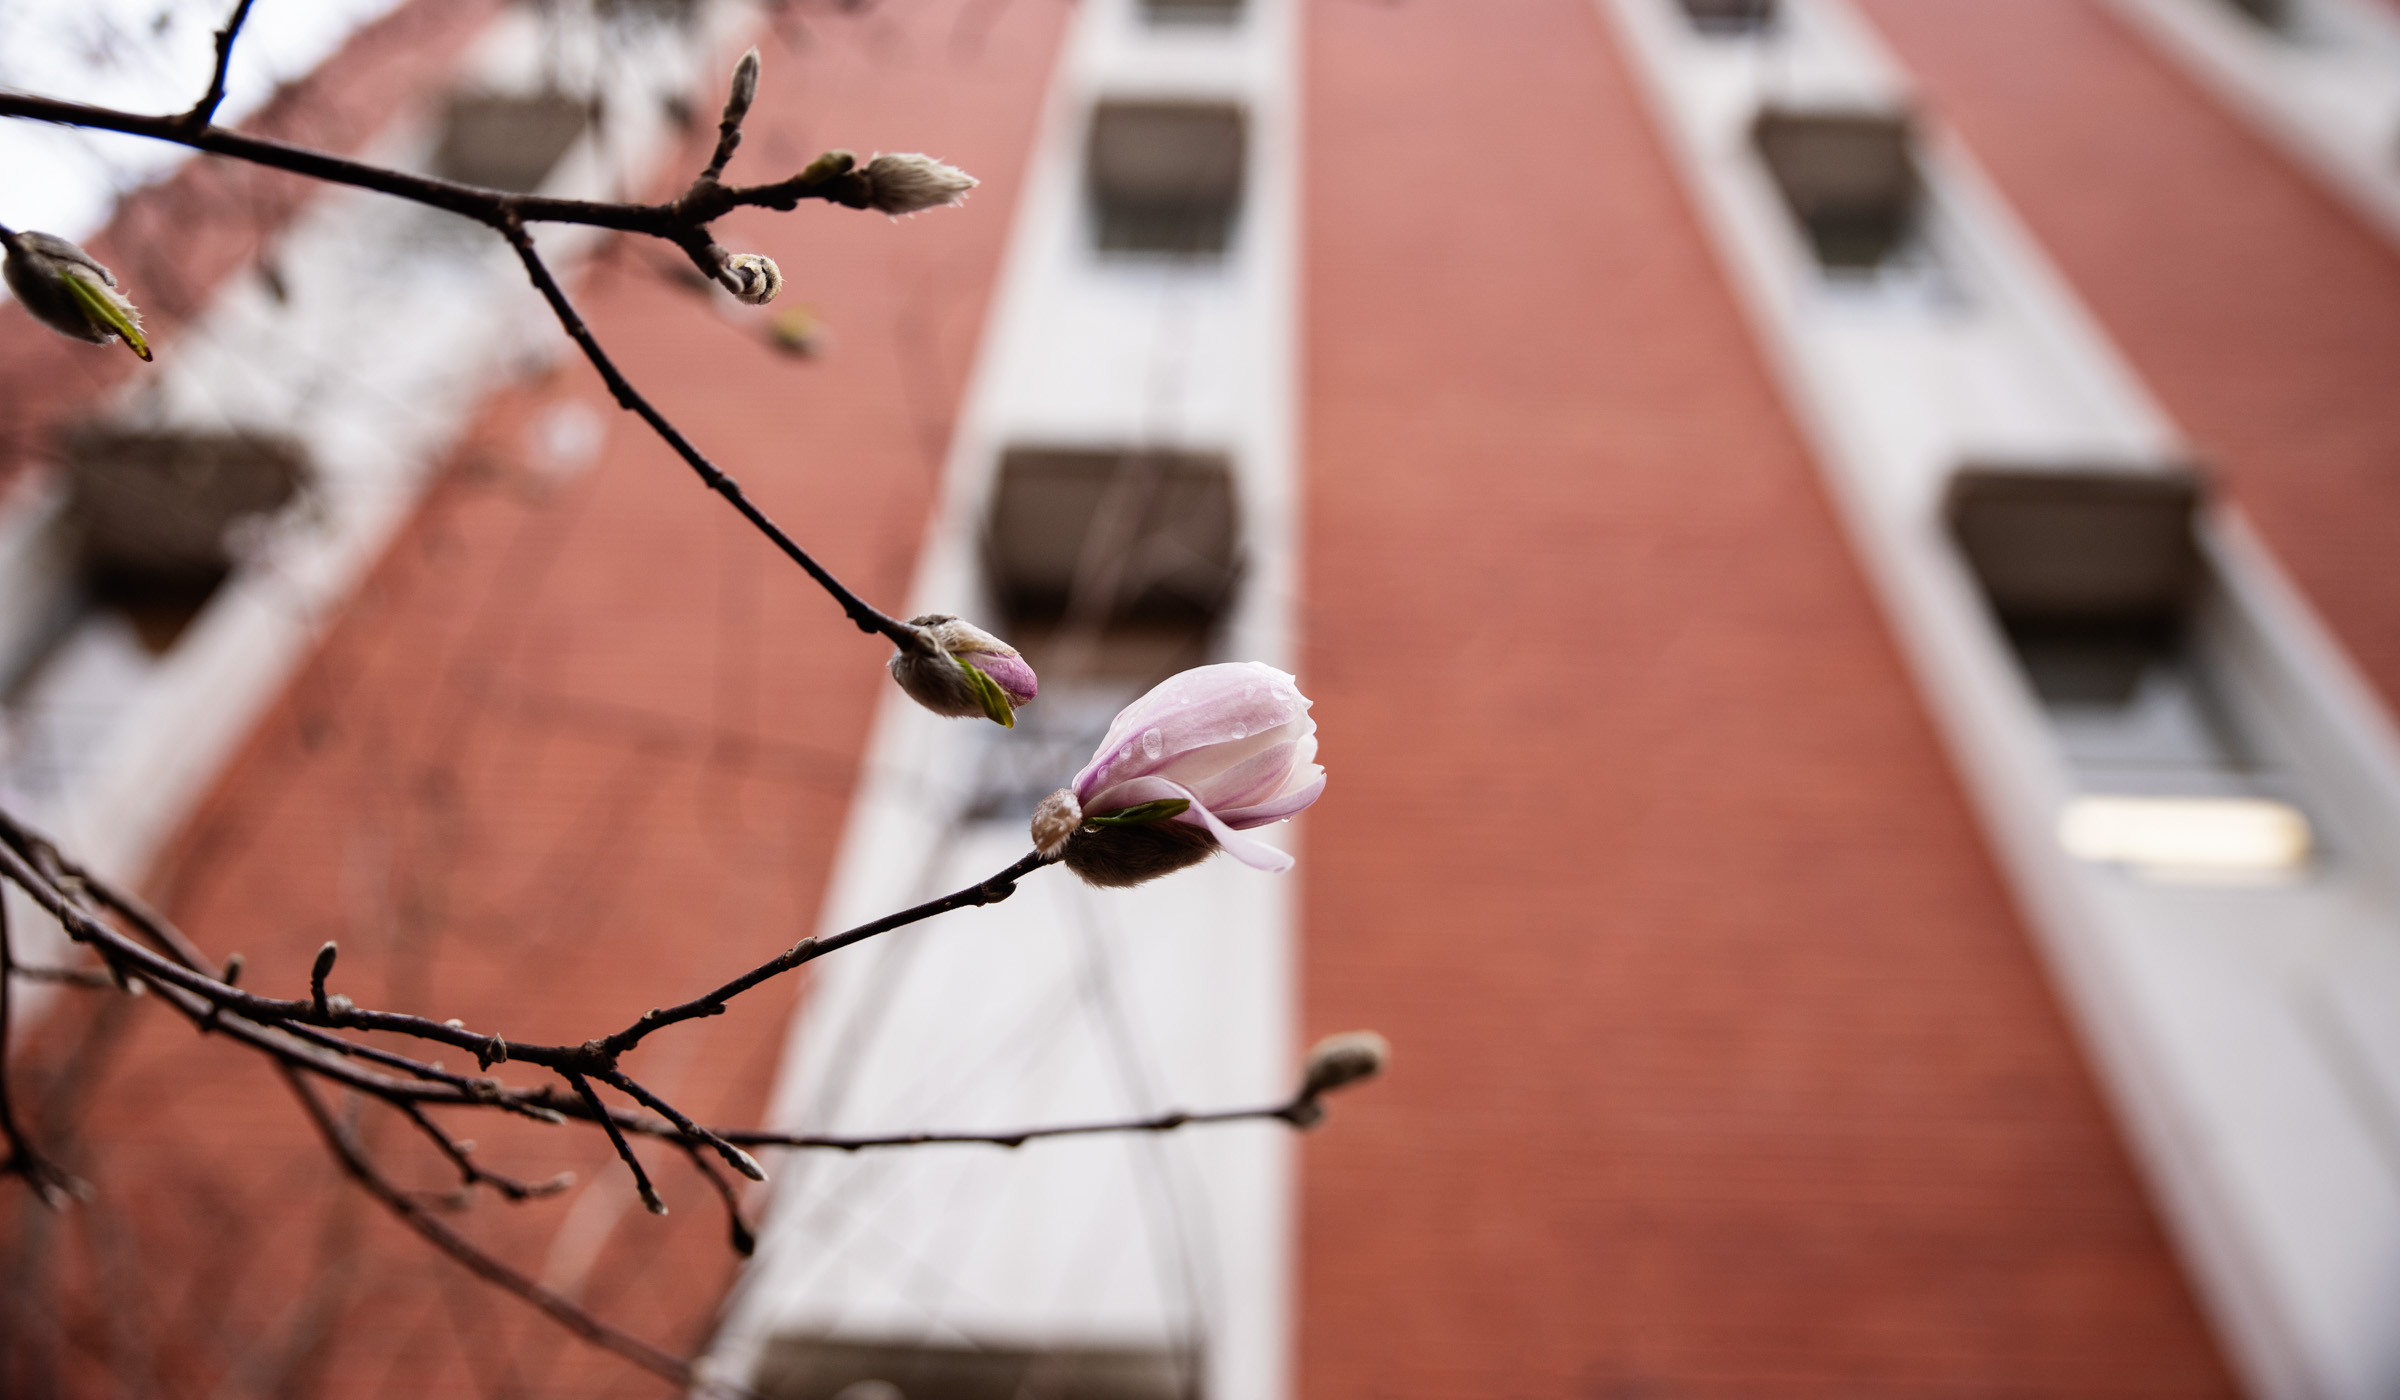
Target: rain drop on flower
<point>1153,744</point>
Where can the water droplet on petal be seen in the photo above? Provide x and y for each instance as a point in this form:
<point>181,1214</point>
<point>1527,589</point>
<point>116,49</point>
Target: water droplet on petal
<point>1153,744</point>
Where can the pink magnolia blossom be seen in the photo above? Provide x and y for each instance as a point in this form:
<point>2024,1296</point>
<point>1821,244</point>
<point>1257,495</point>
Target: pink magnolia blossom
<point>1232,741</point>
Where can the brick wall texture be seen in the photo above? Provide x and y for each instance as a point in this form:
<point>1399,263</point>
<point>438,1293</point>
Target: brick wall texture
<point>1724,1067</point>
<point>578,748</point>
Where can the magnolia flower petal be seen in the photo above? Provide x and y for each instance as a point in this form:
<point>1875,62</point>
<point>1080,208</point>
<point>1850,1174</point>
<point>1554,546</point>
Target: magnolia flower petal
<point>1294,800</point>
<point>1249,850</point>
<point>1227,702</point>
<point>1243,782</point>
<point>1009,670</point>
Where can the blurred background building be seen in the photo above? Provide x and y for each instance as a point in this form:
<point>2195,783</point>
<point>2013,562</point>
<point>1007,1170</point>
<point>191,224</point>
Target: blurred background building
<point>1845,552</point>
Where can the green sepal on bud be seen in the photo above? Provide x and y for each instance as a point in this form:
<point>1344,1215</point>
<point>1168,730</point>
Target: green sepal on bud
<point>990,696</point>
<point>104,310</point>
<point>1143,814</point>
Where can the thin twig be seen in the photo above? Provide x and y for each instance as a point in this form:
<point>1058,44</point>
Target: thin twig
<point>734,1157</point>
<point>1292,1111</point>
<point>683,222</point>
<point>989,891</point>
<point>737,1230</point>
<point>616,1139</point>
<point>414,1215</point>
<point>205,110</point>
<point>52,1183</point>
<point>472,1173</point>
<point>868,618</point>
<point>738,96</point>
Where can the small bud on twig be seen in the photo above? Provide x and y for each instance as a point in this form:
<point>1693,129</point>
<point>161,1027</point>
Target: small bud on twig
<point>1057,818</point>
<point>69,291</point>
<point>900,185</point>
<point>753,278</point>
<point>958,669</point>
<point>1338,1061</point>
<point>744,90</point>
<point>319,971</point>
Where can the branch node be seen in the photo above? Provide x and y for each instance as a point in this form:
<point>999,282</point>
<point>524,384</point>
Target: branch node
<point>492,1052</point>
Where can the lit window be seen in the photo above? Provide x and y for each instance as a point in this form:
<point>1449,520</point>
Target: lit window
<point>2198,839</point>
<point>1849,178</point>
<point>1165,177</point>
<point>507,142</point>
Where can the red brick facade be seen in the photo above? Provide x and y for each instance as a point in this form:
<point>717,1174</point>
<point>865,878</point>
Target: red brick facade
<point>575,750</point>
<point>1724,1067</point>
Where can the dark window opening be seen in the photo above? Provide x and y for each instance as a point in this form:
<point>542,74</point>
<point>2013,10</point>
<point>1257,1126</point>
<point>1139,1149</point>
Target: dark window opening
<point>1166,177</point>
<point>2268,14</point>
<point>1127,557</point>
<point>1196,13</point>
<point>1849,178</point>
<point>802,1368</point>
<point>2095,576</point>
<point>1110,571</point>
<point>507,142</point>
<point>156,515</point>
<point>1730,16</point>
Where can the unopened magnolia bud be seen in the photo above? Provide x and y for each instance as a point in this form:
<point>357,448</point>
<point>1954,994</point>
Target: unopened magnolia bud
<point>753,277</point>
<point>1055,820</point>
<point>67,290</point>
<point>1341,1060</point>
<point>745,87</point>
<point>956,668</point>
<point>908,184</point>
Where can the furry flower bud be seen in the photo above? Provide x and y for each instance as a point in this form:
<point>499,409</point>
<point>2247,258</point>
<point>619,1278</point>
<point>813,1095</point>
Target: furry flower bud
<point>956,668</point>
<point>744,89</point>
<point>67,290</point>
<point>1338,1061</point>
<point>908,184</point>
<point>1187,768</point>
<point>753,277</point>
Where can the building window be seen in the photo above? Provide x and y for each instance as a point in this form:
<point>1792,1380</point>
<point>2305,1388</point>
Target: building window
<point>2103,596</point>
<point>156,516</point>
<point>2270,14</point>
<point>1166,177</point>
<point>1133,552</point>
<point>506,142</point>
<point>1849,178</point>
<point>1110,571</point>
<point>1730,16</point>
<point>798,1368</point>
<point>1196,13</point>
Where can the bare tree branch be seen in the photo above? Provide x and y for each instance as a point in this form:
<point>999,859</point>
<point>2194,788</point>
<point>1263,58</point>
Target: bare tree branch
<point>205,110</point>
<point>868,618</point>
<point>347,1150</point>
<point>52,1183</point>
<point>683,221</point>
<point>470,1172</point>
